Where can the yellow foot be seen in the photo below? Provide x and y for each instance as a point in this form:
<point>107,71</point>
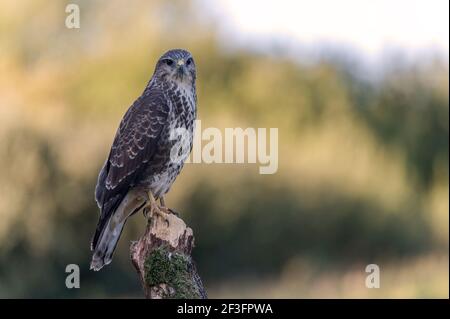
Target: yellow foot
<point>152,207</point>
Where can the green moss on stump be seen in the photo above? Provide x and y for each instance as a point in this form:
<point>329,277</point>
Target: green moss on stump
<point>162,266</point>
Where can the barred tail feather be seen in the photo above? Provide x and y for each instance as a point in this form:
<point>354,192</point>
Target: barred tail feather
<point>106,244</point>
<point>109,229</point>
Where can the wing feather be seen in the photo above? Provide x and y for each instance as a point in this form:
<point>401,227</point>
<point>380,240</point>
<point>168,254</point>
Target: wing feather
<point>134,145</point>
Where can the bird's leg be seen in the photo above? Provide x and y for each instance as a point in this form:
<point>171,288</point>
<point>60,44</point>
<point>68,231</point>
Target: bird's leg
<point>153,208</point>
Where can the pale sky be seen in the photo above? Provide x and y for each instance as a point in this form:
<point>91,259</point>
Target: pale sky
<point>369,26</point>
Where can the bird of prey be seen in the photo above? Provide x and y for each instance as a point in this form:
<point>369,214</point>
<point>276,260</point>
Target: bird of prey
<point>146,155</point>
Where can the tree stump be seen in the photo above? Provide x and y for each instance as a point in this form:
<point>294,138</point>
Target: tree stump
<point>162,258</point>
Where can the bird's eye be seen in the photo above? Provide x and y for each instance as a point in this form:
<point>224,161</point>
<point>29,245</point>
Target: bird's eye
<point>189,61</point>
<point>169,62</point>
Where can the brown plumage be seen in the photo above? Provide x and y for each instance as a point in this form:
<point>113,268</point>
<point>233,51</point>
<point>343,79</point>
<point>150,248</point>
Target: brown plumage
<point>141,159</point>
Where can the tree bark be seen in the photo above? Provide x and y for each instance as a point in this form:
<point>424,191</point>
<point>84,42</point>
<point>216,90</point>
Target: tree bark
<point>162,258</point>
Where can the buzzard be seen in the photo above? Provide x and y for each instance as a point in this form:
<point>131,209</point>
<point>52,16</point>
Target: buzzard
<point>148,152</point>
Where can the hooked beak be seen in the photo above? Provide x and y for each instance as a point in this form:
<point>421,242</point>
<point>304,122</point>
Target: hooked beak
<point>181,69</point>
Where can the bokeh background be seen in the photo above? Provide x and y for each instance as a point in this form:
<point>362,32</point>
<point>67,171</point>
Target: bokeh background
<point>360,96</point>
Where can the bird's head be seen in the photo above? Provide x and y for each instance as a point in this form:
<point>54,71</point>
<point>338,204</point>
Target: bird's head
<point>176,66</point>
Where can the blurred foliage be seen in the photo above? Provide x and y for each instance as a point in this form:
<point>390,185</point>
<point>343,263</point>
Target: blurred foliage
<point>363,165</point>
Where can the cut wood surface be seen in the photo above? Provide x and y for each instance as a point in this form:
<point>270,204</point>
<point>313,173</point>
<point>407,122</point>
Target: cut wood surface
<point>162,258</point>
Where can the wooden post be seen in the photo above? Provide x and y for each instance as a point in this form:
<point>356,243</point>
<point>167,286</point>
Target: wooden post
<point>162,258</point>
